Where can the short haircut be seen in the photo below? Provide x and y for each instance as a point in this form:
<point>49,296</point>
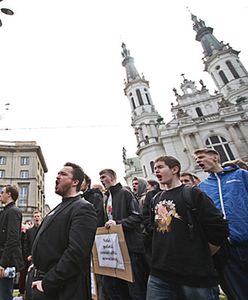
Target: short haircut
<point>191,176</point>
<point>170,161</point>
<point>35,212</point>
<point>153,182</point>
<point>77,173</point>
<point>87,180</point>
<point>12,189</point>
<point>108,171</point>
<point>206,151</point>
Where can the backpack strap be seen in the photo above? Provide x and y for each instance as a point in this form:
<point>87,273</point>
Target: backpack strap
<point>191,209</point>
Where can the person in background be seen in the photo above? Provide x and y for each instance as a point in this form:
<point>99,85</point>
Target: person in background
<point>28,243</point>
<point>187,179</point>
<point>228,188</point>
<point>139,186</point>
<point>10,240</point>
<point>152,189</point>
<point>238,162</point>
<point>152,185</point>
<point>95,197</point>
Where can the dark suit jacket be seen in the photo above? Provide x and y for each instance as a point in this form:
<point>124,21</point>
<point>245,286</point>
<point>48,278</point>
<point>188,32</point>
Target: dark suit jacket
<point>10,237</point>
<point>62,249</point>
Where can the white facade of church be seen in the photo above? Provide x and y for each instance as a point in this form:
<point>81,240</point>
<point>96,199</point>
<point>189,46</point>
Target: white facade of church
<point>199,119</point>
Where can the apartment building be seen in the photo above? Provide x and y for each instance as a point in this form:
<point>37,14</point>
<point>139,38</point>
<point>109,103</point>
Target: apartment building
<point>22,164</point>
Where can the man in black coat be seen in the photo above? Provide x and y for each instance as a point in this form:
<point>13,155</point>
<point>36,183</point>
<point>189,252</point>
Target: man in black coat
<point>62,247</point>
<point>10,240</point>
<point>122,208</point>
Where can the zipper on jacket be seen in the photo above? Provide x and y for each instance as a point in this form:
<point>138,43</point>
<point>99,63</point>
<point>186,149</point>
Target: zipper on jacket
<point>220,194</point>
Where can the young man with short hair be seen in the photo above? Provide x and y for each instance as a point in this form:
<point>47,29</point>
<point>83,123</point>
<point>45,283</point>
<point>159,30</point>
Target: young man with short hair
<point>122,208</point>
<point>182,265</point>
<point>187,179</point>
<point>10,239</point>
<point>228,188</point>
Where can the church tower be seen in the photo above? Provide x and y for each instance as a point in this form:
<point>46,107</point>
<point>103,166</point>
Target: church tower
<point>145,119</point>
<point>222,63</point>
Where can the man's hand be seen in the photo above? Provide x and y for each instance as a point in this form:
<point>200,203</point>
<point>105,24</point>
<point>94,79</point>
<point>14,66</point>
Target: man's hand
<point>110,223</point>
<point>29,258</point>
<point>1,272</point>
<point>38,285</point>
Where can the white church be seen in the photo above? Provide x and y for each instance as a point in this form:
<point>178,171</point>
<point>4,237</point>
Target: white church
<point>199,119</point>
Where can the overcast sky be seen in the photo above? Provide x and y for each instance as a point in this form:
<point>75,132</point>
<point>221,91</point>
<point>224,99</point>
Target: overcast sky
<point>61,71</point>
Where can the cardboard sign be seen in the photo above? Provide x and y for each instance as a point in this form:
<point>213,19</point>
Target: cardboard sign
<point>110,253</point>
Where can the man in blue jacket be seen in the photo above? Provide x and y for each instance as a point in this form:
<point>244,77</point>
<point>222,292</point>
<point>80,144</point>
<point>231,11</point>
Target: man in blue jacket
<point>228,188</point>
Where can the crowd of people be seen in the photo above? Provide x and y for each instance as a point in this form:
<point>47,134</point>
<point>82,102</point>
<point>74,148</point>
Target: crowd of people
<point>186,238</point>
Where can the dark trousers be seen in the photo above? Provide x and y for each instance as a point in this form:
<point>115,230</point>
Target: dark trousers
<point>234,276</point>
<point>118,289</point>
<point>6,288</point>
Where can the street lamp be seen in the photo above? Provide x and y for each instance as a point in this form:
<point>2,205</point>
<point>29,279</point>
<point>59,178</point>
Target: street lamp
<point>5,11</point>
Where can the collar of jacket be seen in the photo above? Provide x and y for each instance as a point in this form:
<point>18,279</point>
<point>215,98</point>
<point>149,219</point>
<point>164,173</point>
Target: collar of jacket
<point>115,188</point>
<point>12,203</point>
<point>71,198</point>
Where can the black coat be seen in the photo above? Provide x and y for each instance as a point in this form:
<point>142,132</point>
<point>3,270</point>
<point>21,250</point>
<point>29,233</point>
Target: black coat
<point>62,249</point>
<point>126,211</point>
<point>95,197</point>
<point>10,237</point>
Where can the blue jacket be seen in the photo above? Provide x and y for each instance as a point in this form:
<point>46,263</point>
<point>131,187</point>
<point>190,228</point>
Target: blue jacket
<point>229,192</point>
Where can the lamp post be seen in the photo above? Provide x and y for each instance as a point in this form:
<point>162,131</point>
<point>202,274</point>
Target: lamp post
<point>5,11</point>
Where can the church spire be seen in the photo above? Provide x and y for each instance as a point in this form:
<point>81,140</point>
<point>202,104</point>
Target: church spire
<point>222,63</point>
<point>205,35</point>
<point>128,63</point>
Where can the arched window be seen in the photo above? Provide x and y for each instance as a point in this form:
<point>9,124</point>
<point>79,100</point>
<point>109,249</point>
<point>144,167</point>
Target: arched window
<point>199,112</point>
<point>138,93</point>
<point>145,173</point>
<point>232,69</point>
<point>147,96</point>
<point>220,144</point>
<point>152,166</point>
<point>133,103</point>
<point>223,77</point>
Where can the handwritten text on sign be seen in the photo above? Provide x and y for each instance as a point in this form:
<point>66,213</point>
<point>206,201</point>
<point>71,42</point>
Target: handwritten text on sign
<point>108,251</point>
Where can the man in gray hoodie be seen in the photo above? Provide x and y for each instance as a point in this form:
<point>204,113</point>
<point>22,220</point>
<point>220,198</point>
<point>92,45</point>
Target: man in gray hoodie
<point>139,186</point>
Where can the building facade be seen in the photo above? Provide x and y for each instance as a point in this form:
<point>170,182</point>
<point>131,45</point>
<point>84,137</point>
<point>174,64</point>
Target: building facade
<point>199,119</point>
<point>22,164</point>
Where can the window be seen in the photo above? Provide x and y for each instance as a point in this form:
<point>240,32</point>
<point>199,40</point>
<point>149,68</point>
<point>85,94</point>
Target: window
<point>2,160</point>
<point>144,169</point>
<point>2,173</point>
<point>24,174</point>
<point>223,77</point>
<point>138,93</point>
<point>220,144</point>
<point>199,111</point>
<point>232,69</point>
<point>23,195</point>
<point>147,97</point>
<point>152,166</point>
<point>133,104</point>
<point>24,160</point>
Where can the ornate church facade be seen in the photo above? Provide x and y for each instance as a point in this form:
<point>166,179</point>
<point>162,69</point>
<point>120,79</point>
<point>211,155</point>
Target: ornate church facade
<point>199,119</point>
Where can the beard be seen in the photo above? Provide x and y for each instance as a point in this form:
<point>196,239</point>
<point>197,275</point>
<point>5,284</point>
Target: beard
<point>62,190</point>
